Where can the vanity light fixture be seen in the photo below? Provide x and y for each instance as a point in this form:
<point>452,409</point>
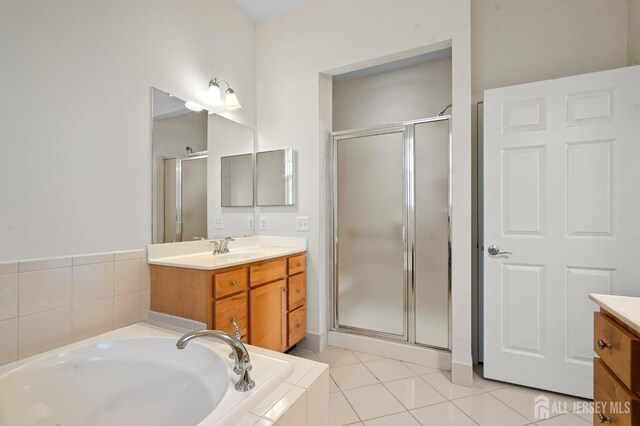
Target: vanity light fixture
<point>193,106</point>
<point>214,93</point>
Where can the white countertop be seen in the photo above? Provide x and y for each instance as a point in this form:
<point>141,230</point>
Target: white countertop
<point>199,254</point>
<point>624,308</point>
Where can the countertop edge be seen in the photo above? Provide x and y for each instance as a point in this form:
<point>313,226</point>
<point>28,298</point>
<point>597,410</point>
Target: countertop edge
<point>238,262</point>
<point>612,304</point>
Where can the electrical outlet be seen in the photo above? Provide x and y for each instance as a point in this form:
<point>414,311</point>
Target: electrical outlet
<point>302,223</point>
<point>263,224</point>
<point>218,222</point>
<point>250,223</point>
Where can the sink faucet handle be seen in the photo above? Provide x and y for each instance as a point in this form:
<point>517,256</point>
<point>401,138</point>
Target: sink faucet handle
<point>216,246</point>
<point>224,244</point>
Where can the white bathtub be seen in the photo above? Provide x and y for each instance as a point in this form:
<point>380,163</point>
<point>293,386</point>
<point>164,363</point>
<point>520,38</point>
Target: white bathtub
<point>133,376</point>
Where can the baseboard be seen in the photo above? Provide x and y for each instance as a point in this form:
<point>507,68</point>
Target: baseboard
<point>315,342</point>
<point>462,374</point>
<point>429,357</point>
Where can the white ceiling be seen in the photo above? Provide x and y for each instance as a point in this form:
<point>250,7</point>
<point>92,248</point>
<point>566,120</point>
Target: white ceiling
<point>261,10</point>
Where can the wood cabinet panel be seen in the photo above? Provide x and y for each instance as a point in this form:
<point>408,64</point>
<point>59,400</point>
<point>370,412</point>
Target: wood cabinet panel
<point>297,325</point>
<point>230,282</point>
<point>297,264</point>
<point>267,271</point>
<point>268,316</point>
<point>234,306</point>
<point>612,398</point>
<point>297,291</point>
<point>182,292</point>
<point>620,350</point>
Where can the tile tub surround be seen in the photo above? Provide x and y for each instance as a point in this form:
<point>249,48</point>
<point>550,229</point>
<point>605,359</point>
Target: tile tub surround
<point>71,298</point>
<point>367,389</point>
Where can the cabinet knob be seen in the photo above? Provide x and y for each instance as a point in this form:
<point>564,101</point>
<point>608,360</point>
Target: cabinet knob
<point>603,345</point>
<point>299,325</point>
<point>298,290</point>
<point>234,283</point>
<point>299,264</point>
<point>602,418</point>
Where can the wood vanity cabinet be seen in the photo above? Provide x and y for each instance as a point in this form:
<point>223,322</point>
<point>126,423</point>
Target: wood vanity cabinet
<point>265,299</point>
<point>616,373</point>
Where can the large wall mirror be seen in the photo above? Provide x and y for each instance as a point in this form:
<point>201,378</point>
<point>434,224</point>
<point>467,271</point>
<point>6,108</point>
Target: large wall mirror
<point>187,152</point>
<point>275,177</point>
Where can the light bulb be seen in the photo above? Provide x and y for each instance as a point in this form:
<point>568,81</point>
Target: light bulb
<point>214,93</point>
<point>231,99</point>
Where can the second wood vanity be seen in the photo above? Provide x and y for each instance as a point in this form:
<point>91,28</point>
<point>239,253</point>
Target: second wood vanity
<point>266,299</point>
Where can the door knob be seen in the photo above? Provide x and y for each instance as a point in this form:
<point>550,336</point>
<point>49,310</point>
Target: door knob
<point>495,251</point>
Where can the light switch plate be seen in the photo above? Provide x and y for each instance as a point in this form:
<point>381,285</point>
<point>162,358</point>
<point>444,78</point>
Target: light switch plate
<point>218,222</point>
<point>263,224</point>
<point>302,223</point>
<point>250,223</point>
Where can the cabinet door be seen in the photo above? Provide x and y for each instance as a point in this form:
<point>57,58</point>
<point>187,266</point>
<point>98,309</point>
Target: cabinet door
<point>268,316</point>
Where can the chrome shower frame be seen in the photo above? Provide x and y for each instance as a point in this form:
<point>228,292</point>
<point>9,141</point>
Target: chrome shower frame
<point>409,313</point>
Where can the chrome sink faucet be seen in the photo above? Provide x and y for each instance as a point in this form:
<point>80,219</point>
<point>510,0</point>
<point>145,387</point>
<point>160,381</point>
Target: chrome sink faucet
<point>222,246</point>
<point>240,355</point>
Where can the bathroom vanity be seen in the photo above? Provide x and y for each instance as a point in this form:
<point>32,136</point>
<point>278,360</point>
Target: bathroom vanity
<point>616,371</point>
<point>258,290</point>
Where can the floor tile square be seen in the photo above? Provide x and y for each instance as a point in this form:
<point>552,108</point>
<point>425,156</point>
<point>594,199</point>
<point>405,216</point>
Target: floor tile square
<point>389,369</point>
<point>442,414</point>
<point>340,412</point>
<point>373,401</point>
<point>484,409</point>
<point>414,392</point>
<point>522,400</point>
<point>336,357</point>
<point>401,419</point>
<point>564,420</point>
<point>441,382</point>
<point>420,370</point>
<point>353,376</point>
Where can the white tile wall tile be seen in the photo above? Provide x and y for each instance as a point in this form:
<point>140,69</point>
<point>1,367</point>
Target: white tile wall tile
<point>287,402</point>
<point>93,282</point>
<point>44,331</point>
<point>8,296</point>
<point>129,254</point>
<point>92,318</point>
<point>296,414</point>
<point>127,276</point>
<point>88,259</point>
<point>9,339</point>
<point>44,290</point>
<point>126,309</point>
<point>41,264</point>
<point>47,303</point>
<point>8,268</point>
<point>145,304</point>
<point>318,399</point>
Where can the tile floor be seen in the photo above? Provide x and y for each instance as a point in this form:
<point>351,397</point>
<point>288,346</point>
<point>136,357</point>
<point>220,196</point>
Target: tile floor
<point>375,391</point>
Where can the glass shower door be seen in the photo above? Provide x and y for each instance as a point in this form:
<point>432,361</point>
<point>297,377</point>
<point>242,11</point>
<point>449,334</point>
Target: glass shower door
<point>370,250</point>
<point>193,197</point>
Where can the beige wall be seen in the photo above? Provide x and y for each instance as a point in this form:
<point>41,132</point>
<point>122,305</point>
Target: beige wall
<point>296,51</point>
<point>406,94</point>
<point>75,116</point>
<point>519,41</point>
<point>634,31</point>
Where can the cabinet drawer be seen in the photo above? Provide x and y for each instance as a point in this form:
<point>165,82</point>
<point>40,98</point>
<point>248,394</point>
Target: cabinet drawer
<point>230,282</point>
<point>297,264</point>
<point>619,349</point>
<point>612,398</point>
<point>297,291</point>
<point>268,271</point>
<point>226,309</point>
<point>297,325</point>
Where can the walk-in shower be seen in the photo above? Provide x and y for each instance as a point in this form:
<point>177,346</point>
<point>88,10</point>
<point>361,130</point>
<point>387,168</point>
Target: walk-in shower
<point>392,209</point>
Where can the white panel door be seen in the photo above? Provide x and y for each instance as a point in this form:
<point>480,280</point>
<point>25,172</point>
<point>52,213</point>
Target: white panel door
<point>561,194</point>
